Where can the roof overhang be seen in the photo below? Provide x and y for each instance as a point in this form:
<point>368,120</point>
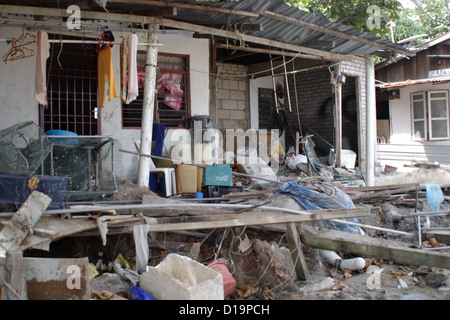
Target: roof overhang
<point>406,83</point>
<point>275,24</point>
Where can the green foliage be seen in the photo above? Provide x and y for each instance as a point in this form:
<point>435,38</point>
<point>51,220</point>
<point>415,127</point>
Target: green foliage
<point>357,13</point>
<point>431,17</point>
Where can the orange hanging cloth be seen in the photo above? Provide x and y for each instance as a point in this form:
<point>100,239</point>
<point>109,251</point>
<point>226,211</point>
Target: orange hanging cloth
<point>105,70</point>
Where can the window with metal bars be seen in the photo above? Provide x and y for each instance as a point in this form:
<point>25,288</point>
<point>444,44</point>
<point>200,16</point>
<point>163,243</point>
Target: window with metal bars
<point>71,88</point>
<point>172,93</point>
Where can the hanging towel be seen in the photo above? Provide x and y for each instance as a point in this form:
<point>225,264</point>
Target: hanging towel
<point>133,90</point>
<point>105,70</point>
<point>123,70</point>
<point>43,52</point>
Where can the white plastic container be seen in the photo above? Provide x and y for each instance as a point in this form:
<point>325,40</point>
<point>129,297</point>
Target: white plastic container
<point>181,278</point>
<point>348,158</point>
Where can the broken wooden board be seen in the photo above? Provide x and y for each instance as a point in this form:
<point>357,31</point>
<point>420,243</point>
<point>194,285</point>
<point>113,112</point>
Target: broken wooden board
<point>295,246</point>
<point>262,218</point>
<point>57,279</point>
<point>57,229</point>
<point>17,228</point>
<point>373,247</point>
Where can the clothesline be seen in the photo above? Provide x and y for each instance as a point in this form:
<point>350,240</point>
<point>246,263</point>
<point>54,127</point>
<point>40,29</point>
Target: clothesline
<point>88,42</point>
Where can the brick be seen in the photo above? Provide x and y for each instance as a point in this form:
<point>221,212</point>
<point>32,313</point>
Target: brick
<point>223,94</point>
<point>229,104</point>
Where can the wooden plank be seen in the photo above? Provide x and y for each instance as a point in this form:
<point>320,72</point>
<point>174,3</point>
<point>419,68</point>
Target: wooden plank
<point>373,247</point>
<point>57,228</point>
<point>261,218</point>
<point>15,285</point>
<point>19,226</point>
<point>259,50</point>
<point>198,7</point>
<point>381,188</point>
<point>248,38</point>
<point>295,247</point>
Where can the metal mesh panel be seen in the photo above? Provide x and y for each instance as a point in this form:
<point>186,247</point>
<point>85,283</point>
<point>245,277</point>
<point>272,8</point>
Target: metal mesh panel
<point>22,149</point>
<point>16,189</point>
<point>91,163</point>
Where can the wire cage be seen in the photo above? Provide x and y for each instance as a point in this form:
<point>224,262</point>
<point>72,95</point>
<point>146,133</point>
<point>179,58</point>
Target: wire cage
<point>92,163</point>
<point>22,149</point>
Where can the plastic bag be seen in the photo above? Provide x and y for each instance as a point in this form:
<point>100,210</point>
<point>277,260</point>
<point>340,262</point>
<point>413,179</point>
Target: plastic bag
<point>434,196</point>
<point>136,293</point>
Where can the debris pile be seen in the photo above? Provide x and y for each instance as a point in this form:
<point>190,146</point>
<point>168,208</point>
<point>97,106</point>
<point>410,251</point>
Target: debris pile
<point>312,232</point>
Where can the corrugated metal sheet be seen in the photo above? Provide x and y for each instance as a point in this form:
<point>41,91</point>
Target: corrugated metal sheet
<point>273,29</point>
<point>282,31</point>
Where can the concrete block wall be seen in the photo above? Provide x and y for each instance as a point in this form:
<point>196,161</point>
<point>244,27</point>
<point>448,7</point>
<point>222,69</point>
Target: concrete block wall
<point>313,89</point>
<point>232,97</point>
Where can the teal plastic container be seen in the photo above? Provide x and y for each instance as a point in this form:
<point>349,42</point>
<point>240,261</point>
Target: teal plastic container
<point>217,175</point>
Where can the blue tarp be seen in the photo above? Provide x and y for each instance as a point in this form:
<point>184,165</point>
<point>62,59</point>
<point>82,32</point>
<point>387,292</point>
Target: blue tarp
<point>318,196</point>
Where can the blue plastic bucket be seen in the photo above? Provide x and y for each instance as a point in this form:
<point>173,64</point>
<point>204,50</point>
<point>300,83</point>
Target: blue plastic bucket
<point>62,133</point>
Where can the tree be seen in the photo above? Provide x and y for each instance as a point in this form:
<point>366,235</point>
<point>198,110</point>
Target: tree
<point>365,15</point>
<point>430,17</point>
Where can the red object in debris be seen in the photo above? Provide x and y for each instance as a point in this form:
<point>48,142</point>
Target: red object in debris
<point>228,281</point>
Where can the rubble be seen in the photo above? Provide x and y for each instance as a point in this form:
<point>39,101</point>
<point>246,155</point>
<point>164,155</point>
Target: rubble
<point>349,241</point>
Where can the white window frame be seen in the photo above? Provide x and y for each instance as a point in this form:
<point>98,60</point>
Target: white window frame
<point>414,120</point>
<point>427,120</point>
<point>430,118</point>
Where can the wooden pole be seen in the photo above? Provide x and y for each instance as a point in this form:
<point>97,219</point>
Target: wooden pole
<point>337,119</point>
<point>148,109</point>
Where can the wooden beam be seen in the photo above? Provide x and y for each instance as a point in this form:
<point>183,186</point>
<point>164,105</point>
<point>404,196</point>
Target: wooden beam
<point>295,246</point>
<point>181,5</point>
<point>267,51</point>
<point>260,218</point>
<point>373,247</point>
<point>248,38</point>
<point>159,12</point>
<point>333,32</point>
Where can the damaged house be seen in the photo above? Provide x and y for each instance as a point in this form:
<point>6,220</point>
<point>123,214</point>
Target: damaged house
<point>101,95</point>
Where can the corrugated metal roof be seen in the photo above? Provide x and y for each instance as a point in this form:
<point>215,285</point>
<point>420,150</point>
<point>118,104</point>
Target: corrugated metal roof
<point>283,31</point>
<point>273,29</point>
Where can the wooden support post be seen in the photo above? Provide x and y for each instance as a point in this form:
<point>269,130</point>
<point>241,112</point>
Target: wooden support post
<point>295,246</point>
<point>148,109</point>
<point>14,282</point>
<point>338,119</point>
